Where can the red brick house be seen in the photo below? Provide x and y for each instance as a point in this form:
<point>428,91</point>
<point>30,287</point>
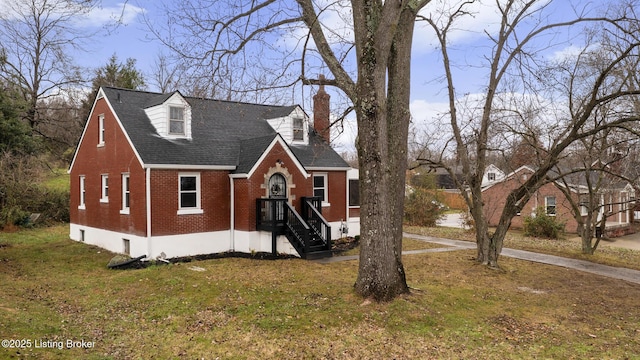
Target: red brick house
<point>614,202</point>
<point>168,175</point>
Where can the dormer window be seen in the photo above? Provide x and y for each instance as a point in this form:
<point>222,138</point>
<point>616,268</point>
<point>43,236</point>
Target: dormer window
<point>298,129</point>
<point>176,120</point>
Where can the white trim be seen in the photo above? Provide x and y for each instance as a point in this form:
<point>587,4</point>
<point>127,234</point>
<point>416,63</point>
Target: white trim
<point>198,191</point>
<point>325,187</point>
<point>148,205</point>
<point>82,201</point>
<point>232,215</point>
<point>183,134</point>
<point>124,189</point>
<point>101,130</point>
<point>329,168</point>
<point>555,205</point>
<point>285,146</point>
<point>104,188</point>
<point>189,167</point>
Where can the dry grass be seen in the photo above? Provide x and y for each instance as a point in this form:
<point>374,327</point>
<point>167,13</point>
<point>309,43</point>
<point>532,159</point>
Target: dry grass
<point>52,288</point>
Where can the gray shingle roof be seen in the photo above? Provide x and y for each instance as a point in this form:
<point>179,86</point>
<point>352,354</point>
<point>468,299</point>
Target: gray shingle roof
<point>224,133</point>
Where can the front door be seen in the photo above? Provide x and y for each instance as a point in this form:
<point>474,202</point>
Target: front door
<point>277,186</point>
<point>278,190</point>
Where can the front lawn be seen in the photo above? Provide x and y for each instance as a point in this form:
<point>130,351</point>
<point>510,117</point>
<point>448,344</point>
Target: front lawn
<point>53,289</point>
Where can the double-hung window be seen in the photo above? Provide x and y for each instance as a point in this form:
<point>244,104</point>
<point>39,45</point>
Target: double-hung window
<point>298,129</point>
<point>176,120</point>
<point>104,188</point>
<point>126,194</point>
<point>320,187</point>
<point>101,130</point>
<point>189,194</point>
<point>83,193</point>
<point>550,205</point>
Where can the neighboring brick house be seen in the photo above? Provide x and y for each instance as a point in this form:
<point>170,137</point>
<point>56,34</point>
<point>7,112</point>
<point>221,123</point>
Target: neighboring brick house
<point>614,202</point>
<point>168,175</point>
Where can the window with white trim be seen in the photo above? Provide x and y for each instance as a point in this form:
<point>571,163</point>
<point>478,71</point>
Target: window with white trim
<point>584,205</point>
<point>101,130</point>
<point>491,176</point>
<point>320,187</point>
<point>126,194</point>
<point>83,193</point>
<point>550,205</point>
<point>298,129</point>
<point>104,186</point>
<point>176,120</point>
<point>610,203</point>
<point>189,193</point>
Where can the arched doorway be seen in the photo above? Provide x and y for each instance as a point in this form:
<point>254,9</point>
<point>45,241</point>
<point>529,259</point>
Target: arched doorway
<point>277,186</point>
<point>278,190</point>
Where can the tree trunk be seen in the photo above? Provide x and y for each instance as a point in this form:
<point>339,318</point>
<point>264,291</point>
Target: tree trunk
<point>383,124</point>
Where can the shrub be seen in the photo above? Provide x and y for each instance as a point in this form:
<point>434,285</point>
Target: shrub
<point>543,225</point>
<point>421,208</point>
<point>21,193</point>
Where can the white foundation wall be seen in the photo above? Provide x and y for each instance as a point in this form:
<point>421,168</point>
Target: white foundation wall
<point>189,244</point>
<point>260,241</point>
<point>109,240</point>
<point>352,225</point>
<point>180,245</point>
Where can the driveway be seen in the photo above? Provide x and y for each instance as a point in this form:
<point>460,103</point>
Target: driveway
<point>452,220</point>
<point>626,242</point>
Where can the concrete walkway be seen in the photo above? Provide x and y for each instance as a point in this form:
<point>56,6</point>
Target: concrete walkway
<point>629,275</point>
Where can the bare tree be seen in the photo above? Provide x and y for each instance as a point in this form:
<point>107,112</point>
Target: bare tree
<point>369,60</point>
<point>165,74</point>
<point>515,64</point>
<point>36,39</point>
<point>592,179</point>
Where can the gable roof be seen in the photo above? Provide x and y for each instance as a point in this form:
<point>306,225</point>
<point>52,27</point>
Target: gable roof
<point>225,134</point>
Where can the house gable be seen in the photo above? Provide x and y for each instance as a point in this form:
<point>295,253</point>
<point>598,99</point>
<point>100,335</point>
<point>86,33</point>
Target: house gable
<point>492,174</point>
<point>93,135</point>
<point>294,127</point>
<point>251,159</point>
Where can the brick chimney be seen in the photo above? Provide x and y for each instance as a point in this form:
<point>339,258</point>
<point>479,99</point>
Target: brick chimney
<point>321,112</point>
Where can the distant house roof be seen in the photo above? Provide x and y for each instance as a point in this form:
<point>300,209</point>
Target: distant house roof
<point>224,133</point>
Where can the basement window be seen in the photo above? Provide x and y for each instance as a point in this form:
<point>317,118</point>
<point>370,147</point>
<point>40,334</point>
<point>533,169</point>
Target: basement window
<point>126,246</point>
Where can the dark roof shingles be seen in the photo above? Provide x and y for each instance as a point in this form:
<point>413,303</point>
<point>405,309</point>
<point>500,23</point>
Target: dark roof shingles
<point>223,133</point>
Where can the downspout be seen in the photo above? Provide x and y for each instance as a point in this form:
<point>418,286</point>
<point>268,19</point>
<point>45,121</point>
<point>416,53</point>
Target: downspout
<point>148,206</point>
<point>346,196</point>
<point>232,216</point>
